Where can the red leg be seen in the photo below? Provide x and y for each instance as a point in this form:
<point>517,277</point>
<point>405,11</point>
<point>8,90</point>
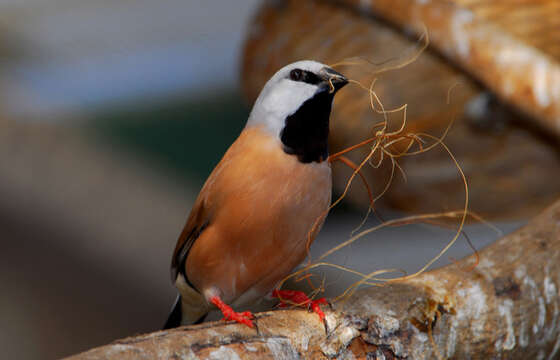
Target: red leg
<point>229,314</point>
<point>298,298</point>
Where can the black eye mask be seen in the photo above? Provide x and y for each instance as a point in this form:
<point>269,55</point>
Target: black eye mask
<point>305,76</point>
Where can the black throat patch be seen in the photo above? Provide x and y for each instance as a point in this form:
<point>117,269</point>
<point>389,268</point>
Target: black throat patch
<point>306,131</point>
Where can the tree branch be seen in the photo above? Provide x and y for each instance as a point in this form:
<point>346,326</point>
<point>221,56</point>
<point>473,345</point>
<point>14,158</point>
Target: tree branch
<point>490,47</point>
<point>496,145</point>
<point>507,307</point>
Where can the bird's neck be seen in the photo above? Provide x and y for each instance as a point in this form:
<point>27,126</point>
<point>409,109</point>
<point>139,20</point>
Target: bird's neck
<point>306,132</point>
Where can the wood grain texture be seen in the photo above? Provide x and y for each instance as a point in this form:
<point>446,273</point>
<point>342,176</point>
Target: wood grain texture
<point>506,308</point>
<point>512,47</point>
<point>499,148</point>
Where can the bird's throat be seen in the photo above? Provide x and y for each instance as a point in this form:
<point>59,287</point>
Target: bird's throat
<point>306,131</point>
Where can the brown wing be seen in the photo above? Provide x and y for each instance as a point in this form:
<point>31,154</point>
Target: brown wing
<point>196,223</point>
<point>198,220</point>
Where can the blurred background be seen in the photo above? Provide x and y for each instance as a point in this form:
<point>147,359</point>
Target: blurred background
<point>112,115</point>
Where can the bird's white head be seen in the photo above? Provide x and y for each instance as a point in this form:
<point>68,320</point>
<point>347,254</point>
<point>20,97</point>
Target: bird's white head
<point>295,106</point>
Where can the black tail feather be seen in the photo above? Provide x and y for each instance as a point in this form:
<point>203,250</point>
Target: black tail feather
<point>176,316</point>
<point>174,319</point>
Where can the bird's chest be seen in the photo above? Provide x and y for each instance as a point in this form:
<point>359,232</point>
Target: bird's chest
<point>284,194</point>
<point>302,194</point>
<point>264,204</point>
<point>262,185</point>
<point>282,212</point>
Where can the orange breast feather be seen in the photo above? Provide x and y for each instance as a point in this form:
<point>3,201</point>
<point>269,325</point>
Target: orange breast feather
<point>256,210</point>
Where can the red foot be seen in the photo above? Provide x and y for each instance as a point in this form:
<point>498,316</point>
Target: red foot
<point>242,318</point>
<point>298,298</point>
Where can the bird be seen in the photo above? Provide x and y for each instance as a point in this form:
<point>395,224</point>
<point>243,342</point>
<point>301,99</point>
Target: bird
<point>250,224</point>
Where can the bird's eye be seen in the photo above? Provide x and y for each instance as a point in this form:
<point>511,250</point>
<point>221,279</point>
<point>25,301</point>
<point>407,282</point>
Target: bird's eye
<point>296,75</point>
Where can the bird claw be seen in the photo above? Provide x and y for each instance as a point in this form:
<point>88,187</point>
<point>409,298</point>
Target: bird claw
<point>240,317</point>
<point>230,315</point>
<point>298,298</point>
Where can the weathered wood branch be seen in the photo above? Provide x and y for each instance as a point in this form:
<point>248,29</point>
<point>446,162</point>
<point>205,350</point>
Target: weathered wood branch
<point>501,48</point>
<point>496,145</point>
<point>507,307</point>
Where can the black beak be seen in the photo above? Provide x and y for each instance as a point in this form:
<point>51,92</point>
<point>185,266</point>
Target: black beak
<point>333,79</point>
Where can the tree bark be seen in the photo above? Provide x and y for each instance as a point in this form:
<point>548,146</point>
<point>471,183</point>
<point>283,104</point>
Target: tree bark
<point>509,51</point>
<point>495,144</point>
<point>507,307</point>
